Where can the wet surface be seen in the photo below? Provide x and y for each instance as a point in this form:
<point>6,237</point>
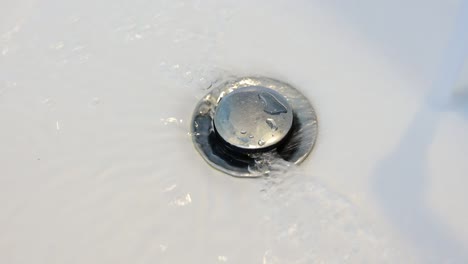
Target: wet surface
<point>253,118</point>
<point>97,166</point>
<point>233,133</point>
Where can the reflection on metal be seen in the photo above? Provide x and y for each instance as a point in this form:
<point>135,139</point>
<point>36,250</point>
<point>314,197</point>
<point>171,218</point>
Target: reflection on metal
<point>243,126</point>
<point>253,118</point>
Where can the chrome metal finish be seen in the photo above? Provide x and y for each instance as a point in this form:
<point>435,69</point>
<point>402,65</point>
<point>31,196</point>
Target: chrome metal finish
<point>253,118</point>
<point>244,126</point>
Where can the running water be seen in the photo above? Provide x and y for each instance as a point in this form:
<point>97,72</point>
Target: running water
<point>96,164</point>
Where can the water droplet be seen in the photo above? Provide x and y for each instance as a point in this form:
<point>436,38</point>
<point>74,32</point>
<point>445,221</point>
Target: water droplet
<point>271,104</point>
<point>261,142</point>
<point>77,48</point>
<point>222,258</point>
<point>95,101</point>
<point>170,188</point>
<point>272,124</point>
<point>243,132</point>
<point>183,201</point>
<point>204,109</point>
<point>58,46</point>
<point>171,120</point>
<point>163,247</point>
<point>48,102</point>
<point>251,136</point>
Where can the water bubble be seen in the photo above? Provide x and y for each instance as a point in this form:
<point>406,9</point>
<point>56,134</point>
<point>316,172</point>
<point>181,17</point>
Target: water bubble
<point>204,109</point>
<point>243,132</point>
<point>258,168</point>
<point>272,124</point>
<point>271,104</point>
<point>261,142</point>
<point>251,136</point>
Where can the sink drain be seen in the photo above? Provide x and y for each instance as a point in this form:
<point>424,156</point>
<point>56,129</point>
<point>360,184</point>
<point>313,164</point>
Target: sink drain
<point>253,118</point>
<point>242,127</point>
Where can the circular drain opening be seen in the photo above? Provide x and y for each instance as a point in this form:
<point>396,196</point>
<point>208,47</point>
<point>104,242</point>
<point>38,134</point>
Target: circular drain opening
<point>242,127</point>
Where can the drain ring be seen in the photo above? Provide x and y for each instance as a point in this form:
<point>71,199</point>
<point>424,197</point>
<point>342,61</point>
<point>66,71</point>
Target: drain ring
<point>241,161</point>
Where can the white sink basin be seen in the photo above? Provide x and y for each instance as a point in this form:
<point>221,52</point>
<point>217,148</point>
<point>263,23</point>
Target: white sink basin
<point>96,164</point>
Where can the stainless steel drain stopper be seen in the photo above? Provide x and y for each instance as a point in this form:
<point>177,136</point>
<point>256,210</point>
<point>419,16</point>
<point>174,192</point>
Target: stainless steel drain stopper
<point>253,118</point>
<point>243,126</point>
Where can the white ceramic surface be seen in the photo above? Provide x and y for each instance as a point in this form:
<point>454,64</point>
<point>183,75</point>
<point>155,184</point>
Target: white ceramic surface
<point>96,165</point>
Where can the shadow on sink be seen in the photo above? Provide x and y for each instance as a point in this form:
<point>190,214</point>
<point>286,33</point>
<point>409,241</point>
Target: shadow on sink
<point>399,183</point>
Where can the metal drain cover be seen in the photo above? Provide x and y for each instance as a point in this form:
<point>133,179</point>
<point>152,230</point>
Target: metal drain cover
<point>253,118</point>
<point>243,126</point>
